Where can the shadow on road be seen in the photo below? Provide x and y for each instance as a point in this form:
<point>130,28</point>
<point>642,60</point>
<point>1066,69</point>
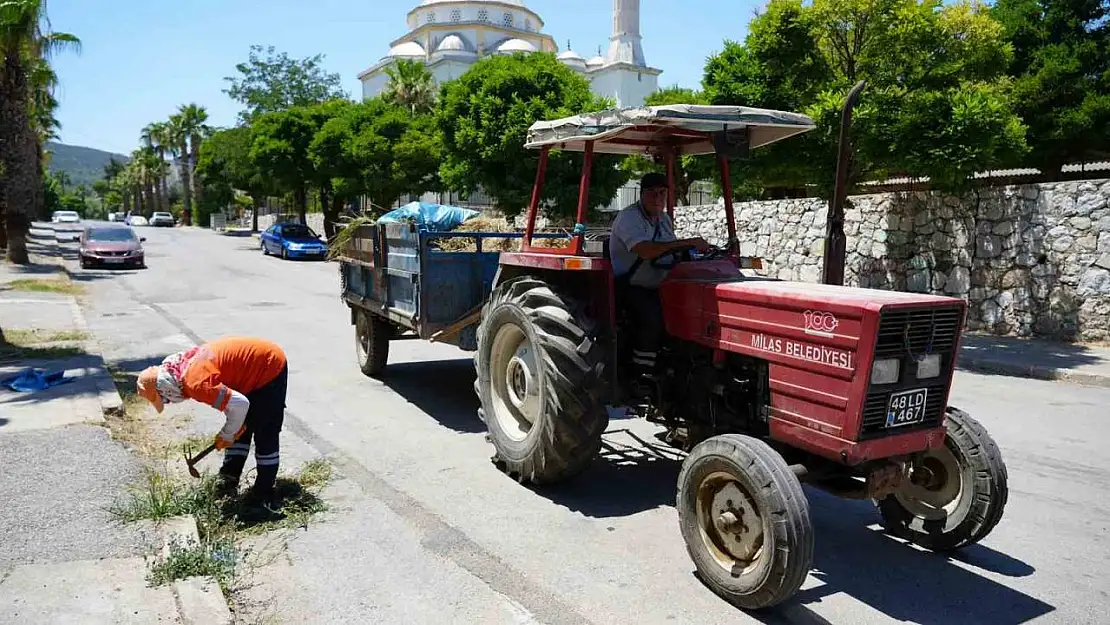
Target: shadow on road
<point>902,581</point>
<point>444,389</point>
<point>135,365</point>
<point>630,475</point>
<point>851,557</point>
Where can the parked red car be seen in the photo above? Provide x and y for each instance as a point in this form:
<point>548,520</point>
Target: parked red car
<point>111,244</point>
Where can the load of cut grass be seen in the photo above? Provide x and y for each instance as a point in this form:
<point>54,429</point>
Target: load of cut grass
<point>481,224</point>
<point>338,244</point>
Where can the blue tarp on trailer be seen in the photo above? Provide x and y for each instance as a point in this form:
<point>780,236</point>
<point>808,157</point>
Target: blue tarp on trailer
<point>433,217</point>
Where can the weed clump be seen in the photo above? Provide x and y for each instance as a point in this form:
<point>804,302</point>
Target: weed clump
<point>221,521</point>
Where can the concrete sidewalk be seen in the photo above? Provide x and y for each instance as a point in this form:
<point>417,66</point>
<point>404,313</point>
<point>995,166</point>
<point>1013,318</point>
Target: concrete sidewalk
<point>1038,359</point>
<point>63,557</point>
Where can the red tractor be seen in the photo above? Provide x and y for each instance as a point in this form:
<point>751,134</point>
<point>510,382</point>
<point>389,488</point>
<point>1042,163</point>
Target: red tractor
<point>767,383</point>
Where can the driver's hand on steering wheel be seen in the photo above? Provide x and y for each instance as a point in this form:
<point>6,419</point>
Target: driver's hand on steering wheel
<point>700,244</point>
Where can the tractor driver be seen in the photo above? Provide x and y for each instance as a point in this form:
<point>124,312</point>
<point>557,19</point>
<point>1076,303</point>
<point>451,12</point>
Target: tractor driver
<point>642,232</point>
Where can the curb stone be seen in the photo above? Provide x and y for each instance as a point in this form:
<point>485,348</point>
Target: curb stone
<point>1035,372</point>
<point>111,402</point>
<point>199,598</point>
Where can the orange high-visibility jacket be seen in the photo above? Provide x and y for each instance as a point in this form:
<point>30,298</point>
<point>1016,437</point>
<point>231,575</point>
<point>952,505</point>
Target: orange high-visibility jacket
<point>241,364</point>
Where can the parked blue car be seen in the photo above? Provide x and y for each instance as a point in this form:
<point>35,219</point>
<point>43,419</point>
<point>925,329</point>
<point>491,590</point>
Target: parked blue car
<point>293,241</point>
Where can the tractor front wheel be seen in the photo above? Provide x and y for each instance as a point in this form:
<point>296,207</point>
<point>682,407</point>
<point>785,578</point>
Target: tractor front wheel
<point>745,521</point>
<point>539,380</point>
<point>956,493</point>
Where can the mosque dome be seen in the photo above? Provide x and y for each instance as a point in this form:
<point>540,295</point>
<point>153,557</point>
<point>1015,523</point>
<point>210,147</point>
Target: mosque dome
<point>572,58</point>
<point>516,45</point>
<point>452,43</point>
<point>515,3</point>
<point>407,49</point>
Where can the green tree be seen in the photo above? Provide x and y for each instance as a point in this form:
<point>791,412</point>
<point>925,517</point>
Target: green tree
<point>937,102</point>
<point>379,149</point>
<point>276,82</point>
<point>226,166</point>
<point>410,85</point>
<point>279,147</point>
<point>26,42</point>
<point>484,115</point>
<point>1061,66</point>
<point>688,169</point>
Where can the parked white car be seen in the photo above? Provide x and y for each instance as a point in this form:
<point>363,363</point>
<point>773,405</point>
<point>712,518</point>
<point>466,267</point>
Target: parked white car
<point>161,218</point>
<point>65,217</point>
<point>137,220</point>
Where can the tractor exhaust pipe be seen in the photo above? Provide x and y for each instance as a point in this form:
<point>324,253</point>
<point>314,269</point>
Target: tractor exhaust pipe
<point>834,233</point>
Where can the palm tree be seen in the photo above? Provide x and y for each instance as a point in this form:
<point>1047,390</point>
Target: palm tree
<point>179,149</point>
<point>42,81</point>
<point>194,120</point>
<point>25,41</point>
<point>162,138</point>
<point>147,138</point>
<point>410,85</point>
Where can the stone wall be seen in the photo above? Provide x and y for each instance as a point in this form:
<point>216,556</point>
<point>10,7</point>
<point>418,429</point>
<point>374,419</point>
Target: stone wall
<point>1032,260</point>
<point>315,221</point>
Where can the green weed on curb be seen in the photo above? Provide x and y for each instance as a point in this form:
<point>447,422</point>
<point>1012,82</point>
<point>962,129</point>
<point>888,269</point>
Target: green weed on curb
<point>221,521</point>
<point>218,559</point>
<point>33,285</point>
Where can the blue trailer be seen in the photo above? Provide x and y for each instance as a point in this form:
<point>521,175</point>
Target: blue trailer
<point>399,284</point>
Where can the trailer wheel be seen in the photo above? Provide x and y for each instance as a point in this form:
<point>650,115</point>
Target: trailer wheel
<point>539,379</point>
<point>745,521</point>
<point>372,334</point>
<point>957,495</point>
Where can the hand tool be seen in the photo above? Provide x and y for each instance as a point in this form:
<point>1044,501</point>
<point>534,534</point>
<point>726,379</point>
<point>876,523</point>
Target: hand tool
<point>192,461</point>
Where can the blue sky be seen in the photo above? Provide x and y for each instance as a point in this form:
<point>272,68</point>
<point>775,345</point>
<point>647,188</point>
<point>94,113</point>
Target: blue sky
<point>140,59</point>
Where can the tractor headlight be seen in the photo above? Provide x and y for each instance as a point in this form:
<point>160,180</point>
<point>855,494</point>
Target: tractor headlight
<point>928,367</point>
<point>884,371</point>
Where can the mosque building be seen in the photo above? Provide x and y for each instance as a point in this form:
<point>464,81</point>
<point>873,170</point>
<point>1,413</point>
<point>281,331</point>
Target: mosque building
<point>451,35</point>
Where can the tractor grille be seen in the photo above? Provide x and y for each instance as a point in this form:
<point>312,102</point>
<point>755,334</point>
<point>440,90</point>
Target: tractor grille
<point>904,334</point>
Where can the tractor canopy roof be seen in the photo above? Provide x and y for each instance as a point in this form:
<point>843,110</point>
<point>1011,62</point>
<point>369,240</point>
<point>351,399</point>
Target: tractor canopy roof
<point>689,128</point>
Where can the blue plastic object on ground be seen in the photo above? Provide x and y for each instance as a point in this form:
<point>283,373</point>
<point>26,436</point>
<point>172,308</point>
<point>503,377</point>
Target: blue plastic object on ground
<point>35,380</point>
<point>434,217</point>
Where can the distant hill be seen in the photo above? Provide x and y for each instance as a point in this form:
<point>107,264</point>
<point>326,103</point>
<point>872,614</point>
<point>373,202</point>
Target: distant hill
<point>82,165</point>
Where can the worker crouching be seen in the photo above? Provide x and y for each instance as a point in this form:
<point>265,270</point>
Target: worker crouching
<point>245,379</point>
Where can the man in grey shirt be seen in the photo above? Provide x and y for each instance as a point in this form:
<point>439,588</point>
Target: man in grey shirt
<point>641,233</point>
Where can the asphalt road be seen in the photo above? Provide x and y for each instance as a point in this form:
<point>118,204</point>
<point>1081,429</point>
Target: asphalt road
<point>432,532</point>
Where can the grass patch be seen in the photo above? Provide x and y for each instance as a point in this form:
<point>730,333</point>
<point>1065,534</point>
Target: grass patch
<point>36,337</point>
<point>218,559</point>
<point>221,520</point>
<point>34,345</point>
<point>37,285</point>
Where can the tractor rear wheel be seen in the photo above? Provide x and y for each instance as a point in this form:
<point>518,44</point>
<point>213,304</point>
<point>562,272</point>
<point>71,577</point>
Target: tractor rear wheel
<point>539,379</point>
<point>958,496</point>
<point>372,334</point>
<point>745,521</point>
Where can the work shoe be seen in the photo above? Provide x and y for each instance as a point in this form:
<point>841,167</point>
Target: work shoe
<point>643,388</point>
<point>226,485</point>
<point>259,496</point>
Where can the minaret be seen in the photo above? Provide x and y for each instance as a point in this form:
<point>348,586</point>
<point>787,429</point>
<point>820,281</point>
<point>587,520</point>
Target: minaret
<point>624,45</point>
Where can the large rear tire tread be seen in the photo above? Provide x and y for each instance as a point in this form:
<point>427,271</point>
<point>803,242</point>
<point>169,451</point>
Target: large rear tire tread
<point>990,483</point>
<point>374,359</point>
<point>779,497</point>
<point>571,361</point>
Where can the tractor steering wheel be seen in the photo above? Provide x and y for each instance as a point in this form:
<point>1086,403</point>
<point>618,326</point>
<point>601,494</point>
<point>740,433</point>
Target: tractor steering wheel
<point>683,255</point>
